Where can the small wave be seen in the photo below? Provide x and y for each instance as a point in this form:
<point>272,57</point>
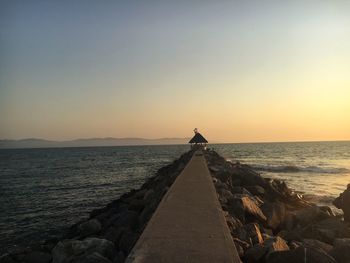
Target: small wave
<point>297,169</point>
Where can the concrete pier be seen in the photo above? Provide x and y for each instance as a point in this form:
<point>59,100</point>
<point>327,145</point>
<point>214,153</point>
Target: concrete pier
<point>188,225</point>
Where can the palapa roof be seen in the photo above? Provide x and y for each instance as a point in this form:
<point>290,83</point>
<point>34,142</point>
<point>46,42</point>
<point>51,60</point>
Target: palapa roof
<point>198,138</point>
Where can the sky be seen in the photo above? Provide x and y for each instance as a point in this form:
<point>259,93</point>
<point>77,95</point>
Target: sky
<point>239,71</point>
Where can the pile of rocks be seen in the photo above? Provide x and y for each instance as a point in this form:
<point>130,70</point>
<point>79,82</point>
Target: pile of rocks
<point>111,232</point>
<point>270,223</point>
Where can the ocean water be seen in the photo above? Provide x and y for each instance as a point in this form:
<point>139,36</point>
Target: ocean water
<point>44,191</point>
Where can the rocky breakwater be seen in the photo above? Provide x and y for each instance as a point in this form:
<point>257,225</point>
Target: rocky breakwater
<point>270,223</point>
<point>110,233</point>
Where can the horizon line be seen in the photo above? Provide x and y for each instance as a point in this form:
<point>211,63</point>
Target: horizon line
<point>172,138</point>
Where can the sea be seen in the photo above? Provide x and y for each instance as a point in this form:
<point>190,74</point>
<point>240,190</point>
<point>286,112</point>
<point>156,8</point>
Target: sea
<point>44,191</point>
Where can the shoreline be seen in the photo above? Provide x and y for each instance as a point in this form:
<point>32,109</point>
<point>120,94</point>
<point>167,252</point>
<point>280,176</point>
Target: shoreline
<point>260,213</point>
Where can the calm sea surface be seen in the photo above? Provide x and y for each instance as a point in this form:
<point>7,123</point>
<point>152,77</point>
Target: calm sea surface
<point>44,191</point>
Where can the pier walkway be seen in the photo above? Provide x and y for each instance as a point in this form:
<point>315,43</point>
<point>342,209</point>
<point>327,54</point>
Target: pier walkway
<point>188,225</point>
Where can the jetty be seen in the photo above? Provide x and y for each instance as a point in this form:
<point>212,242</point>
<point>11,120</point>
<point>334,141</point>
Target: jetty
<point>202,208</point>
<point>189,224</point>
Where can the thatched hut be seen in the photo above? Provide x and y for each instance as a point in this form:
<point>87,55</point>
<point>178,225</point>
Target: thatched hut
<point>198,141</point>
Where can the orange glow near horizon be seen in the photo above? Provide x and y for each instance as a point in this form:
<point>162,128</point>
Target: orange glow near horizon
<point>239,72</point>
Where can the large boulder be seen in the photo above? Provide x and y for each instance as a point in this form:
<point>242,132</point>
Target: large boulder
<point>343,202</point>
<point>91,227</point>
<point>312,214</point>
<point>275,244</point>
<point>69,251</point>
<point>325,230</point>
<point>243,205</point>
<point>341,250</point>
<point>250,233</point>
<point>317,244</point>
<point>300,254</point>
<point>275,213</point>
<point>257,252</point>
<point>224,195</point>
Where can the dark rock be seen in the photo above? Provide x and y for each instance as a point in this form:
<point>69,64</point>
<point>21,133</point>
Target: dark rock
<point>327,230</point>
<point>257,252</point>
<point>256,190</point>
<point>343,202</point>
<point>94,258</point>
<point>300,254</point>
<point>127,241</point>
<point>38,257</point>
<point>243,244</point>
<point>240,190</point>
<point>233,223</point>
<point>125,219</point>
<point>20,253</point>
<point>311,214</point>
<point>341,250</point>
<point>74,250</point>
<point>224,195</point>
<point>7,259</point>
<point>146,214</point>
<point>120,258</point>
<point>317,244</point>
<point>137,205</point>
<point>148,195</point>
<point>254,254</point>
<point>250,233</point>
<point>113,234</point>
<point>275,213</point>
<point>91,227</point>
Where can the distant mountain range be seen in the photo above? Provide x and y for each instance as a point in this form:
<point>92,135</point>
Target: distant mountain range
<point>91,142</point>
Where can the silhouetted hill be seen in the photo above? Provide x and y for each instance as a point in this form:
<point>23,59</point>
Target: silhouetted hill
<point>40,143</point>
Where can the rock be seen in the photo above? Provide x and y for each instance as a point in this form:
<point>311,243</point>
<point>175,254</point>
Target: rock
<point>94,258</point>
<point>257,252</point>
<point>343,202</point>
<point>224,195</point>
<point>91,227</point>
<point>242,205</point>
<point>38,257</point>
<point>7,259</point>
<point>275,213</point>
<point>68,251</point>
<point>113,234</point>
<point>127,241</point>
<point>120,258</point>
<point>148,195</point>
<point>341,250</point>
<point>220,185</point>
<point>232,222</point>
<point>275,244</point>
<point>327,230</point>
<point>241,243</point>
<point>340,242</point>
<point>256,190</point>
<point>289,220</point>
<point>317,244</point>
<point>240,190</point>
<point>311,214</point>
<point>125,219</point>
<point>250,233</point>
<point>254,254</point>
<point>299,255</point>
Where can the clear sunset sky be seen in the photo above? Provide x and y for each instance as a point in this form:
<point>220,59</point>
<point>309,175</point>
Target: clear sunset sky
<point>240,71</point>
